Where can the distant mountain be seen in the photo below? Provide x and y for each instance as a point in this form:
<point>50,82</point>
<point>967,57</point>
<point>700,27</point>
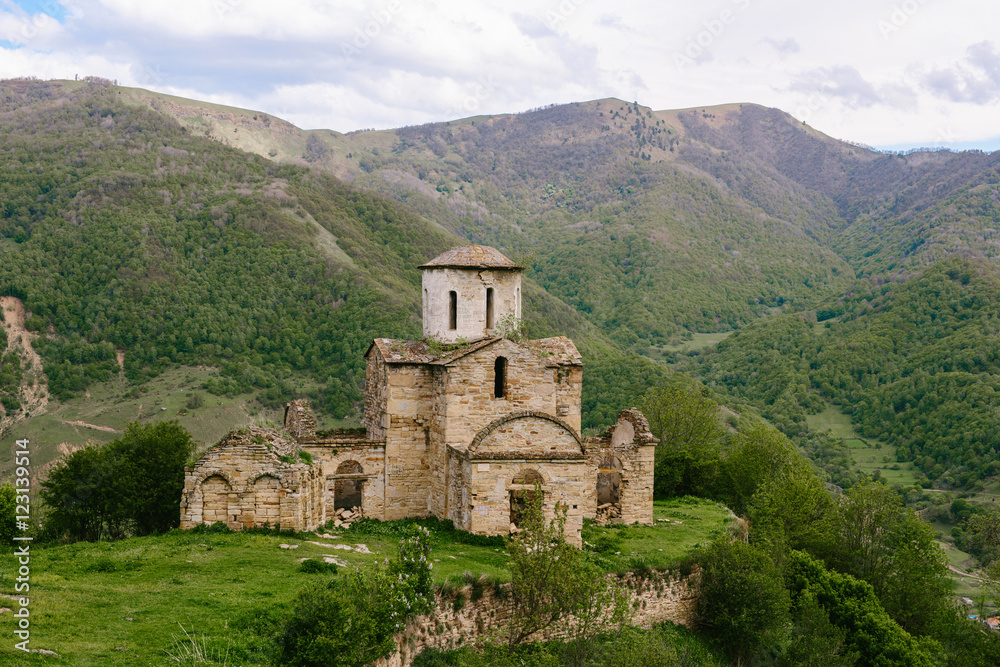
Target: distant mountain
<point>124,233</point>
<point>166,231</point>
<point>653,222</point>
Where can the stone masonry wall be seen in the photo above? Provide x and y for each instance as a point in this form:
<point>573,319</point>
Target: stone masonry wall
<point>630,444</point>
<point>376,395</point>
<point>408,465</point>
<point>333,453</point>
<point>243,483</point>
<point>470,286</point>
<point>299,421</point>
<point>565,484</point>
<point>655,600</point>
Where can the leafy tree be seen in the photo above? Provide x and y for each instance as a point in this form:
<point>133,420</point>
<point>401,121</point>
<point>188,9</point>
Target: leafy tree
<point>351,621</point>
<point>793,510</point>
<point>551,580</point>
<point>8,515</point>
<point>743,606</point>
<point>758,455</point>
<point>130,486</point>
<point>152,473</point>
<point>851,604</point>
<point>686,421</point>
<point>892,549</point>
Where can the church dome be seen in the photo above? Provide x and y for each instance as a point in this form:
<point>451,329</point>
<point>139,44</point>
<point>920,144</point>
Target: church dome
<point>472,257</point>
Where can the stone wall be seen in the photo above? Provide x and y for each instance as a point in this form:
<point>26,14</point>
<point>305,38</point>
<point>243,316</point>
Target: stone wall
<point>376,395</point>
<point>470,286</point>
<point>626,449</point>
<point>408,464</point>
<point>299,421</point>
<point>657,599</point>
<point>336,456</point>
<point>243,483</point>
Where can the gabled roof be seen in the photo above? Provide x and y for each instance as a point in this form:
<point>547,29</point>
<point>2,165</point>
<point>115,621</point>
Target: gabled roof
<point>472,257</point>
<point>558,351</point>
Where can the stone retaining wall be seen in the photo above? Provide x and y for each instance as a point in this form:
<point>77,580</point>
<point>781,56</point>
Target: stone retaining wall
<point>655,599</point>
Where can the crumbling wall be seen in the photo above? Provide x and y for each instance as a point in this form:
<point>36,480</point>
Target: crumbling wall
<point>299,421</point>
<point>655,599</point>
<point>375,417</point>
<point>243,482</point>
<point>627,450</point>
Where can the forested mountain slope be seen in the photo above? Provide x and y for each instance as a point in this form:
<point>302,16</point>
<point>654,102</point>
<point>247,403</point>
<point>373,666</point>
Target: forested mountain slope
<point>120,230</point>
<point>916,364</point>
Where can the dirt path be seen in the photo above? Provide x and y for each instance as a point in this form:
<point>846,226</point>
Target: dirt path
<point>96,427</point>
<point>965,574</point>
<point>34,393</point>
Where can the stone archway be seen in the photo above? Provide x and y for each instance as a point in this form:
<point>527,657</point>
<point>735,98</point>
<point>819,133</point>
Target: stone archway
<point>348,493</point>
<point>521,499</point>
<point>609,482</point>
<point>215,490</point>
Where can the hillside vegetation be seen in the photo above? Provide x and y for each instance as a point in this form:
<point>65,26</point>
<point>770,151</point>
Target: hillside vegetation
<point>123,233</point>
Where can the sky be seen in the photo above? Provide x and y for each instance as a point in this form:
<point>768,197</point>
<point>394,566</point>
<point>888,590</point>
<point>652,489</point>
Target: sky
<point>893,74</point>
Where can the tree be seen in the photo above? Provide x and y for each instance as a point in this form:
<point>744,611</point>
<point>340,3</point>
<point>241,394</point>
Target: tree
<point>152,471</point>
<point>851,604</point>
<point>351,621</point>
<point>891,548</point>
<point>793,510</point>
<point>130,486</point>
<point>742,602</point>
<point>550,580</point>
<point>8,515</point>
<point>686,421</point>
<point>759,454</point>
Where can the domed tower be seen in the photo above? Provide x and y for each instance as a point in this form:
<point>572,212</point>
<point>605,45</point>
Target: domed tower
<point>468,291</point>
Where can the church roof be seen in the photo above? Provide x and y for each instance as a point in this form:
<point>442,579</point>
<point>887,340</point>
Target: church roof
<point>557,351</point>
<point>472,257</point>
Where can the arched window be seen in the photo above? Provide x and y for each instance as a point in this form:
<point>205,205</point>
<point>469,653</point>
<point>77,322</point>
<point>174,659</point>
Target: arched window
<point>489,307</point>
<point>500,378</point>
<point>452,310</point>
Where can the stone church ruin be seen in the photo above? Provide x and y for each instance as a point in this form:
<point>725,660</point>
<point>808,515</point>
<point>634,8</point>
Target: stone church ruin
<point>467,425</point>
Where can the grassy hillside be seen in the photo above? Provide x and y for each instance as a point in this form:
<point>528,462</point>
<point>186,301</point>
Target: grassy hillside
<point>131,602</point>
<point>916,364</point>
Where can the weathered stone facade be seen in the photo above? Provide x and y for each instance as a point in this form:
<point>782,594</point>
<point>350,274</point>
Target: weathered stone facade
<point>466,431</point>
<point>658,598</point>
<point>242,482</point>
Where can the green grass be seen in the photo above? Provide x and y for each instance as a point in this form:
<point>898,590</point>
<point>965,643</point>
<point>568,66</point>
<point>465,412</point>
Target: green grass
<point>697,342</point>
<point>868,455</point>
<point>681,524</point>
<point>832,419</point>
<point>125,603</point>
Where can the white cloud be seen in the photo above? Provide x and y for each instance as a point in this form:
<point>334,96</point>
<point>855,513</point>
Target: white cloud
<point>351,64</point>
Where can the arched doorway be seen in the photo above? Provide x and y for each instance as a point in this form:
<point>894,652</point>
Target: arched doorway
<point>521,499</point>
<point>215,499</point>
<point>348,493</point>
<point>609,483</point>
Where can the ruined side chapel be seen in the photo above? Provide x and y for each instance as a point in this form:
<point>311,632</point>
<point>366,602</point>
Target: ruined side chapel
<point>467,424</point>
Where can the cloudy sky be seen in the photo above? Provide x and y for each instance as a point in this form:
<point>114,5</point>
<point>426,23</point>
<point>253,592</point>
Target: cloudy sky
<point>889,73</point>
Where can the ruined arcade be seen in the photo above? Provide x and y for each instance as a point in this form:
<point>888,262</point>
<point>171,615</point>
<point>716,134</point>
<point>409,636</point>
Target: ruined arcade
<point>466,424</point>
